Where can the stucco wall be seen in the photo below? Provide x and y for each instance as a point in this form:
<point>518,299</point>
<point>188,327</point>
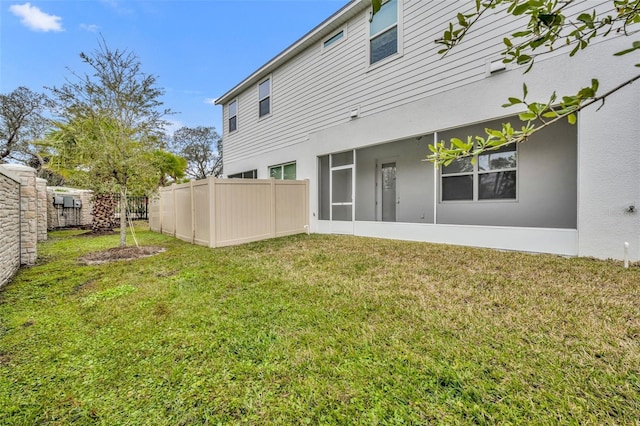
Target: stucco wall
<point>9,226</point>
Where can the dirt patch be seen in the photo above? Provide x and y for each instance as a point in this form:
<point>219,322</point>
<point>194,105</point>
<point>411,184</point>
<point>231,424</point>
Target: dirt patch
<point>120,253</point>
<point>90,233</point>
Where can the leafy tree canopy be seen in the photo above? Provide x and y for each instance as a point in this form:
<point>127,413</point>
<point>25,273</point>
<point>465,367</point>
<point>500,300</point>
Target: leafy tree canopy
<point>22,122</point>
<point>202,148</point>
<point>109,126</point>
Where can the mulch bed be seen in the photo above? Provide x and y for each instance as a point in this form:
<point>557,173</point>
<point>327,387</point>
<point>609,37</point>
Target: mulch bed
<point>120,253</point>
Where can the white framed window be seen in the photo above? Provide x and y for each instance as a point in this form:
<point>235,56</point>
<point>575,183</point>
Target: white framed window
<point>233,115</point>
<point>335,39</point>
<point>384,32</point>
<point>493,176</point>
<point>285,171</point>
<point>264,97</point>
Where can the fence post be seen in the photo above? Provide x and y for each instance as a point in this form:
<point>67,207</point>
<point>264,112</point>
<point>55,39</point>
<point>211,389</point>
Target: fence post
<point>193,213</point>
<point>160,207</point>
<point>175,210</point>
<point>273,207</point>
<point>306,205</point>
<point>212,211</point>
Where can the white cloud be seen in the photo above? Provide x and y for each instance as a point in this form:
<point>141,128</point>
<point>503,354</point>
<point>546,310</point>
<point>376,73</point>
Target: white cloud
<point>90,28</point>
<point>35,19</point>
<point>210,101</point>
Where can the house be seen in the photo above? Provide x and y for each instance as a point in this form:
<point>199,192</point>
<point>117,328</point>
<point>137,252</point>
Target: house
<point>353,105</point>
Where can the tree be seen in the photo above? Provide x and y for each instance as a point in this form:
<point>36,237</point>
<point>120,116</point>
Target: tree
<point>202,148</point>
<point>171,167</point>
<point>108,128</point>
<point>21,123</point>
<point>547,28</point>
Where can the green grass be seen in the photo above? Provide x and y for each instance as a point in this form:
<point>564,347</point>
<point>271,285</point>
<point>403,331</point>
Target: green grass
<point>318,330</point>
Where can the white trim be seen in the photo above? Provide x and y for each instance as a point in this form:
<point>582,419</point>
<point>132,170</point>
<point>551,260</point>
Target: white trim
<point>537,240</point>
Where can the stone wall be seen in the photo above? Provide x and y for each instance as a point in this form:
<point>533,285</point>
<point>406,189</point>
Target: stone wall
<point>28,211</point>
<point>9,226</point>
<point>41,189</point>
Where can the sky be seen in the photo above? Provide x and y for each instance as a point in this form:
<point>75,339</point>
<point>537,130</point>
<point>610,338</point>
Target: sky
<point>197,49</point>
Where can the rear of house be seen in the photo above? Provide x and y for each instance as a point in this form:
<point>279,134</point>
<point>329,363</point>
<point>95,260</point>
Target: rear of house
<point>354,104</point>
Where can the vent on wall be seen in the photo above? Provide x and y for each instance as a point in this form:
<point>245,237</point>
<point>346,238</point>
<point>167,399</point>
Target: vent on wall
<point>495,66</point>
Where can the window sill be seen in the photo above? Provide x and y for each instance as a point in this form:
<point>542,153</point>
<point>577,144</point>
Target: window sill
<point>264,117</point>
<point>384,61</point>
<point>492,201</point>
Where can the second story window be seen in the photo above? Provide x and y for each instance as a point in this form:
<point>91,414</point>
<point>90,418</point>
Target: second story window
<point>383,32</point>
<point>233,116</point>
<point>264,97</point>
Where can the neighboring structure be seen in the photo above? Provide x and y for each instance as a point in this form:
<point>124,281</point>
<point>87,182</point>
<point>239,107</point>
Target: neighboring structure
<point>68,207</point>
<point>353,105</point>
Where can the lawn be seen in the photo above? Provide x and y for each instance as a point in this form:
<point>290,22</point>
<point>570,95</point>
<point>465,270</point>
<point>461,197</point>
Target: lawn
<point>318,330</point>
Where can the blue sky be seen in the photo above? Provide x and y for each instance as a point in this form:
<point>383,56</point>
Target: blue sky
<point>198,49</point>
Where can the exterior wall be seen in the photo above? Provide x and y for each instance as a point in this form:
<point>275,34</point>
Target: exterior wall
<point>9,227</point>
<point>546,184</point>
<point>318,88</point>
<point>609,177</point>
<point>419,94</point>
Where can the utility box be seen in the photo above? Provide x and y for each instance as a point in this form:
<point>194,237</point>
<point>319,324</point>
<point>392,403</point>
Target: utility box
<point>77,203</point>
<point>67,202</point>
<point>57,200</point>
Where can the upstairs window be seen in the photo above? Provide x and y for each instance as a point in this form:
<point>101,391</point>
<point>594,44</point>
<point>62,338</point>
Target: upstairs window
<point>264,97</point>
<point>492,177</point>
<point>233,116</point>
<point>383,32</point>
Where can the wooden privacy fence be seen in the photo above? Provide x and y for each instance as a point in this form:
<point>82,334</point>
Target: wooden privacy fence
<point>223,212</point>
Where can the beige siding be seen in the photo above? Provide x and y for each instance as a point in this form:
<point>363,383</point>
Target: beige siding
<point>317,89</point>
<point>222,212</point>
